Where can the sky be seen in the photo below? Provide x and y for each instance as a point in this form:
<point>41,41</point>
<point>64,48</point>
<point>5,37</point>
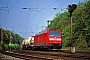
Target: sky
<point>28,17</point>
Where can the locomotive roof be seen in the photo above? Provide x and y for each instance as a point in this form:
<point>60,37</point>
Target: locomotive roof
<point>44,31</point>
<point>41,32</point>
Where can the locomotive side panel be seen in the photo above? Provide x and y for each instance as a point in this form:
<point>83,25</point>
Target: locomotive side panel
<point>39,40</point>
<point>50,39</point>
<point>47,38</point>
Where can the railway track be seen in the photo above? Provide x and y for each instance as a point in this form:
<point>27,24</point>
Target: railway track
<point>48,55</point>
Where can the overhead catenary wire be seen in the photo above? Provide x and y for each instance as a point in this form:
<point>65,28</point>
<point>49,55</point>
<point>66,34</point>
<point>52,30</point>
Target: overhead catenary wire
<point>34,16</point>
<point>5,9</point>
<point>42,20</point>
<point>7,14</point>
<point>35,7</point>
<point>8,11</point>
<point>14,5</point>
<point>8,3</point>
<point>30,10</point>
<point>60,9</point>
<point>45,18</point>
<point>29,13</point>
<point>28,16</point>
<point>51,13</point>
<point>38,12</point>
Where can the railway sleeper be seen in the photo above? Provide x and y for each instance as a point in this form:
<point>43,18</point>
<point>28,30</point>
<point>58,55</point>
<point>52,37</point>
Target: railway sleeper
<point>30,57</point>
<point>27,59</point>
<point>42,58</point>
<point>10,53</point>
<point>21,56</point>
<point>16,55</point>
<point>48,59</point>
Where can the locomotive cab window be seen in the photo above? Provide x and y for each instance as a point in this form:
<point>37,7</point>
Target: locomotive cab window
<point>54,33</point>
<point>57,34</point>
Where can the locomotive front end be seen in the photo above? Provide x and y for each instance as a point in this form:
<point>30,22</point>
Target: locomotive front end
<point>55,39</point>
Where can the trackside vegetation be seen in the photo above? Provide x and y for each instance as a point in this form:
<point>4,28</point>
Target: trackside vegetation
<point>11,41</point>
<point>80,26</point>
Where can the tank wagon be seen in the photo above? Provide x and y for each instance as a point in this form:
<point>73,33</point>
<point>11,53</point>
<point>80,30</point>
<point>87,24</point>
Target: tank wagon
<point>27,43</point>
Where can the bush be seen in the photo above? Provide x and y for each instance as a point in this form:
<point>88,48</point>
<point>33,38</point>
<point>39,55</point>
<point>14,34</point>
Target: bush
<point>0,46</point>
<point>81,46</point>
<point>6,47</point>
<point>81,43</point>
<point>14,46</point>
<point>17,46</point>
<point>11,46</point>
<point>89,43</point>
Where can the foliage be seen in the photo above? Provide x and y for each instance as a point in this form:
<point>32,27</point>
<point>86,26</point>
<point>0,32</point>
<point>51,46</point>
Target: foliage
<point>0,46</point>
<point>11,46</point>
<point>17,46</point>
<point>14,46</point>
<point>81,26</point>
<point>7,35</point>
<point>17,39</point>
<point>10,40</point>
<point>89,43</point>
<point>81,43</point>
<point>6,47</point>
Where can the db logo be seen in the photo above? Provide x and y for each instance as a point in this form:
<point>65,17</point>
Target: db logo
<point>54,37</point>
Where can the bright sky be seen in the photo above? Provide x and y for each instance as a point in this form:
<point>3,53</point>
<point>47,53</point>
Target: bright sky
<point>27,22</point>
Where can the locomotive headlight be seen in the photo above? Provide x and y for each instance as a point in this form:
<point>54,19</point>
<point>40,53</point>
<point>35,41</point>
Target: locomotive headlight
<point>51,39</point>
<point>50,42</point>
<point>59,42</point>
<point>59,39</point>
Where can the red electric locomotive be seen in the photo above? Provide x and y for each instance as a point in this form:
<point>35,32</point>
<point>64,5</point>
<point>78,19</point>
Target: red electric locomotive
<point>51,39</point>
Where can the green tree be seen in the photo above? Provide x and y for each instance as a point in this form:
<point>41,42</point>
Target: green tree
<point>81,25</point>
<point>17,39</point>
<point>11,46</point>
<point>81,43</point>
<point>17,46</point>
<point>0,46</point>
<point>10,39</point>
<point>8,36</point>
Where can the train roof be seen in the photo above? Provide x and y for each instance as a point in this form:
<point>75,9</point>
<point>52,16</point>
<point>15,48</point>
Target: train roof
<point>44,31</point>
<point>41,32</point>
